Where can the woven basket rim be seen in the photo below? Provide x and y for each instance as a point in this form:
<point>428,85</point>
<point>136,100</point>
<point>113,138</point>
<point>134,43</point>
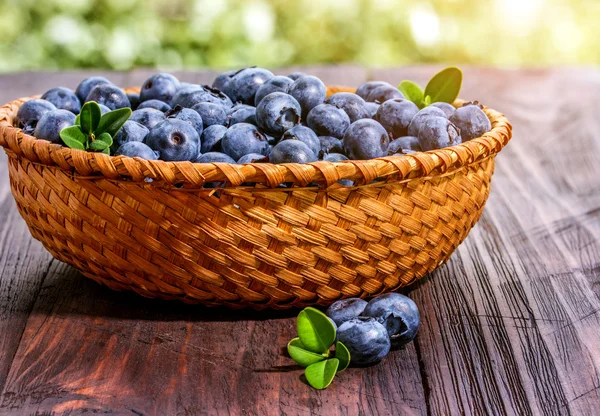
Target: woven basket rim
<point>98,165</point>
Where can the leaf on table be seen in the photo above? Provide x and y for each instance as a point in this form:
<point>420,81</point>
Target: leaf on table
<point>321,374</point>
<point>300,355</point>
<point>315,330</point>
<point>342,354</point>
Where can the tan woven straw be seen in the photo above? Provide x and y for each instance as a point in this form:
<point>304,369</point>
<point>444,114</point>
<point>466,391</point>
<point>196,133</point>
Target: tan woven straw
<point>248,242</point>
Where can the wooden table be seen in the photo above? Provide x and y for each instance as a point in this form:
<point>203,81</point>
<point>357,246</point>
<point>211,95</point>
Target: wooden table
<point>510,325</point>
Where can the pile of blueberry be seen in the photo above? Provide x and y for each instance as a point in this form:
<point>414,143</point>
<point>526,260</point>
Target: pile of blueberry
<point>370,329</point>
<point>253,116</point>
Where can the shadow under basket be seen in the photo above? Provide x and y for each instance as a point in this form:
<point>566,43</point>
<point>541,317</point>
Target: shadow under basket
<point>152,226</point>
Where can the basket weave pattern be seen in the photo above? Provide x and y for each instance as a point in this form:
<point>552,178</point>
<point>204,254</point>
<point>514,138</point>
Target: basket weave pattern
<point>258,245</point>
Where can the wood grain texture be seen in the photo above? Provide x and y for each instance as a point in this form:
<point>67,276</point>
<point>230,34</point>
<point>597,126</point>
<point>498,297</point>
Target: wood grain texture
<point>511,324</point>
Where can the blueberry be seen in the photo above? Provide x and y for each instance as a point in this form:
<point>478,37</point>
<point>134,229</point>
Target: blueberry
<point>156,104</point>
<point>137,149</point>
<point>291,151</point>
<point>241,113</point>
<point>63,98</point>
<point>421,116</point>
<point>103,109</point>
<point>448,109</point>
<point>330,145</point>
<point>365,89</point>
<point>188,115</point>
<point>88,84</point>
<point>438,132</point>
<point>275,84</point>
<point>305,135</point>
<point>174,140</point>
<point>220,81</point>
<point>30,113</point>
<point>335,157</point>
<point>365,139</point>
<point>51,123</point>
<point>211,113</point>
<point>132,131</point>
<point>404,145</point>
<point>252,158</point>
<point>134,100</point>
<point>243,138</point>
<point>243,84</point>
<point>346,309</point>
<point>328,120</point>
<point>160,87</point>
<point>398,314</point>
<point>211,138</point>
<point>148,117</point>
<point>383,93</point>
<point>395,116</point>
<point>309,91</point>
<point>471,121</point>
<point>212,157</point>
<point>366,339</point>
<point>352,104</point>
<point>277,112</point>
<point>372,108</point>
<point>110,95</point>
<point>295,75</point>
<point>188,97</point>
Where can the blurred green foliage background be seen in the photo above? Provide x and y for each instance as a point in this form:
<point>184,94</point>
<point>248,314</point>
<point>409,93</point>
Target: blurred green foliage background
<point>120,34</point>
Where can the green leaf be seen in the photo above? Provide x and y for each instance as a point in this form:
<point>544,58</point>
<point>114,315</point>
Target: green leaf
<point>427,100</point>
<point>321,374</point>
<point>98,146</point>
<point>90,117</point>
<point>342,354</point>
<point>315,330</point>
<point>299,354</point>
<point>77,120</point>
<point>445,85</point>
<point>112,121</point>
<point>106,138</point>
<point>412,92</point>
<point>106,151</point>
<point>73,137</point>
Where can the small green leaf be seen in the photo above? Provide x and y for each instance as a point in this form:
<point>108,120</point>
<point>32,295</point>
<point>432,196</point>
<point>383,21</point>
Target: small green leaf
<point>427,100</point>
<point>112,121</point>
<point>412,92</point>
<point>445,85</point>
<point>106,138</point>
<point>321,374</point>
<point>90,117</point>
<point>77,119</point>
<point>106,151</point>
<point>342,354</point>
<point>315,330</point>
<point>299,354</point>
<point>98,146</point>
<point>73,137</point>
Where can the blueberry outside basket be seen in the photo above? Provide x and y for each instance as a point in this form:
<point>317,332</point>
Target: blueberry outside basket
<point>250,243</point>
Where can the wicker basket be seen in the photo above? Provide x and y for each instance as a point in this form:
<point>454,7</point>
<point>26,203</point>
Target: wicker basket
<point>258,246</point>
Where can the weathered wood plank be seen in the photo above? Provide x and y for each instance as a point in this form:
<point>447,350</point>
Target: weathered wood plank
<point>511,323</point>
